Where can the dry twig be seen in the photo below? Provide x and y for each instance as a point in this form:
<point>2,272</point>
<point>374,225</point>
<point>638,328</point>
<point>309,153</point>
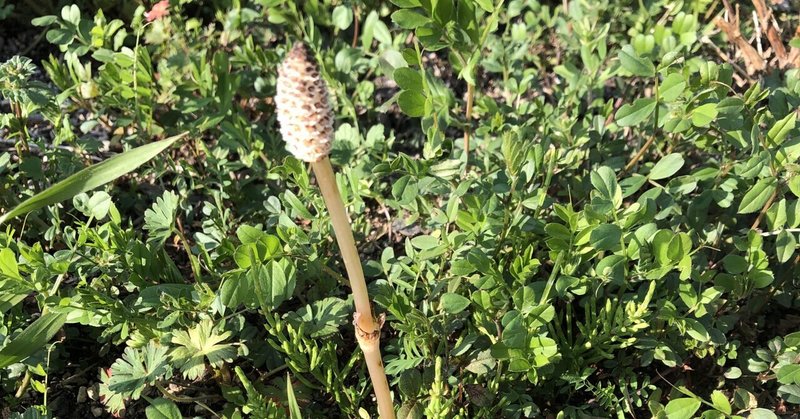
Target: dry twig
<point>771,27</point>
<point>753,61</point>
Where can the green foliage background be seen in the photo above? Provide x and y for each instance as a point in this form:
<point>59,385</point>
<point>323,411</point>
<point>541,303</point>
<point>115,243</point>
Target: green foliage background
<point>620,239</point>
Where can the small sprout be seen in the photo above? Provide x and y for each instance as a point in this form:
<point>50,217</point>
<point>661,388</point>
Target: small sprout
<point>14,76</point>
<point>14,86</point>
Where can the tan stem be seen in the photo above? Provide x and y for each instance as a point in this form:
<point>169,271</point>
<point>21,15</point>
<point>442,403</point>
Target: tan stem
<point>379,383</point>
<point>24,386</point>
<point>764,209</point>
<point>355,26</point>
<point>639,154</point>
<point>371,347</point>
<point>367,330</point>
<point>344,237</point>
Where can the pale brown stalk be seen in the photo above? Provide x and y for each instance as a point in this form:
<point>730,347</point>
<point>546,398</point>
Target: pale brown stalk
<point>306,123</point>
<point>764,210</point>
<point>368,331</point>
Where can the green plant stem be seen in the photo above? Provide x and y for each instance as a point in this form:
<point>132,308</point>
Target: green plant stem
<point>188,249</point>
<point>552,279</point>
<point>470,96</point>
<point>272,373</point>
<point>468,121</point>
<point>507,218</point>
<point>182,399</point>
<point>57,284</point>
<point>33,44</point>
<point>548,179</point>
<point>137,117</point>
<point>47,371</point>
<point>16,108</point>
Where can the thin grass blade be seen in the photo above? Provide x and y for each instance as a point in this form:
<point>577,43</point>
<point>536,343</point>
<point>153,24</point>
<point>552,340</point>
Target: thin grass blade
<point>32,339</point>
<point>92,177</point>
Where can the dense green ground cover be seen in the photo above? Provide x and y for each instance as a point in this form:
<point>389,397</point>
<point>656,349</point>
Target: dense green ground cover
<point>565,209</point>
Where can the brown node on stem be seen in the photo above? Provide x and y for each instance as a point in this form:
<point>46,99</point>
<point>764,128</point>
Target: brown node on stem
<point>304,112</point>
<point>368,340</point>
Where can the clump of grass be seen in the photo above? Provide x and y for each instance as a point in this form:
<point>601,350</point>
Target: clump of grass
<point>306,123</point>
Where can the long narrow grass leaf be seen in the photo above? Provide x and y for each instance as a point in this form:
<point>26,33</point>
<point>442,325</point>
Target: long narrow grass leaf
<point>92,177</point>
<point>32,338</point>
<point>294,408</point>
